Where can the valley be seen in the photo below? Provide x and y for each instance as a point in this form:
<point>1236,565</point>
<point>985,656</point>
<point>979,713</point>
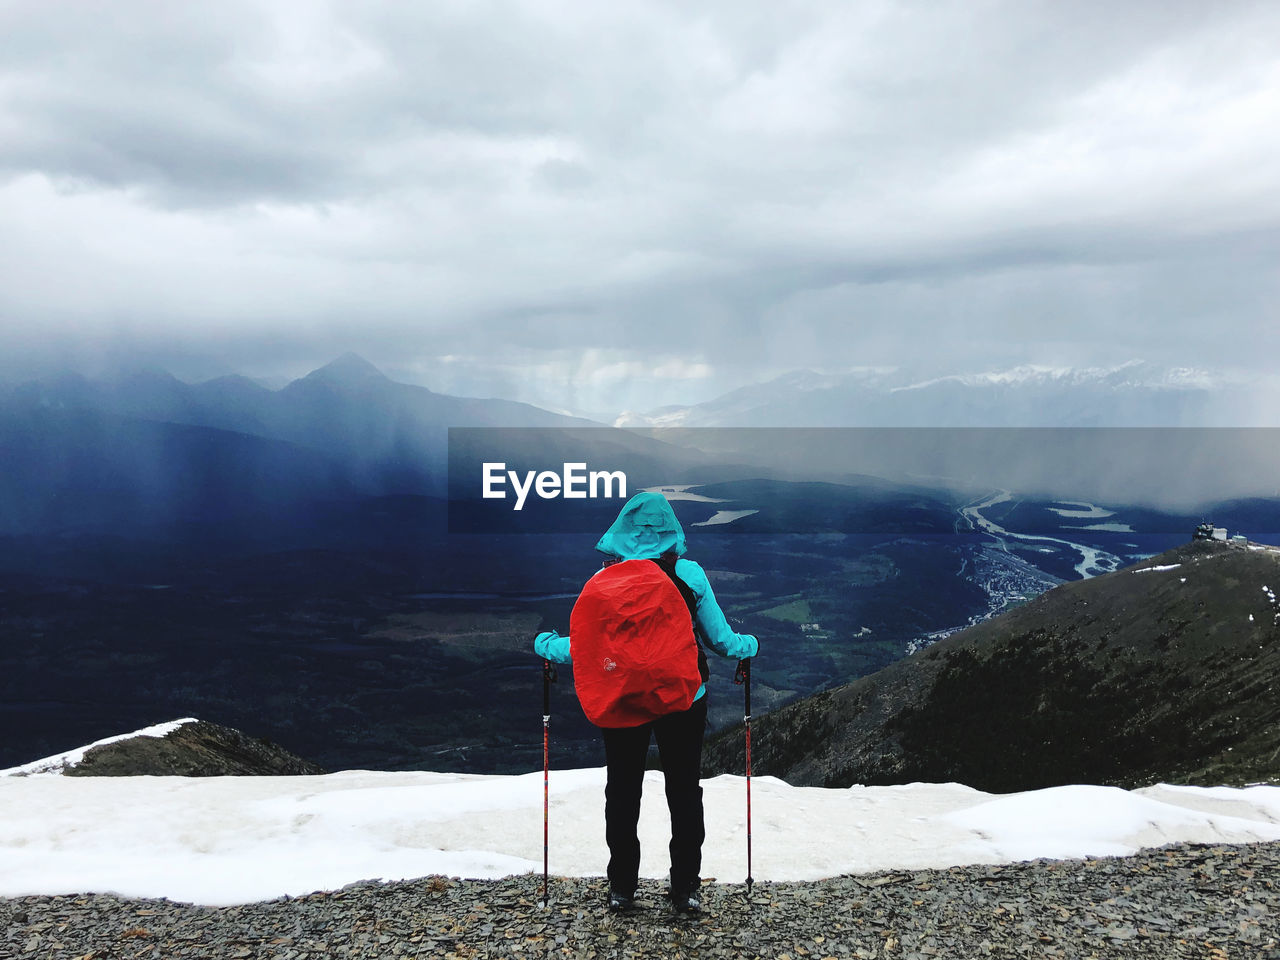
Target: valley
<point>419,655</point>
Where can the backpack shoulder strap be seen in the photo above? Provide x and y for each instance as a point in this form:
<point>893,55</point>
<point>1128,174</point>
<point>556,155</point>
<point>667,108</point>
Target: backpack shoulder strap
<point>667,563</point>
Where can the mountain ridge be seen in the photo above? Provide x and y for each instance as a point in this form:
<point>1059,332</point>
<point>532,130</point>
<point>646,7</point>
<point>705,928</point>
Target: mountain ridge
<point>1134,393</point>
<point>180,748</point>
<point>1167,670</point>
<point>78,449</point>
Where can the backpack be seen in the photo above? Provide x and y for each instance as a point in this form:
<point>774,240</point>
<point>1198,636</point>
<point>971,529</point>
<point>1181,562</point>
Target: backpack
<point>636,656</point>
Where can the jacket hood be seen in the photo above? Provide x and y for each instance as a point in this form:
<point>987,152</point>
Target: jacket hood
<point>646,528</point>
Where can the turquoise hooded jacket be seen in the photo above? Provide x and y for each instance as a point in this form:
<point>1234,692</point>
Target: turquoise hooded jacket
<point>647,528</point>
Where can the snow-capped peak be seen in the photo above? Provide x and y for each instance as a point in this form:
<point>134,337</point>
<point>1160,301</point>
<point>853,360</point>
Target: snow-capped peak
<point>666,417</point>
<point>1130,374</point>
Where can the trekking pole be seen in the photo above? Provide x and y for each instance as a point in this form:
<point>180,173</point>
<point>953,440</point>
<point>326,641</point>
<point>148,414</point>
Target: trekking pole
<point>743,676</point>
<point>548,678</point>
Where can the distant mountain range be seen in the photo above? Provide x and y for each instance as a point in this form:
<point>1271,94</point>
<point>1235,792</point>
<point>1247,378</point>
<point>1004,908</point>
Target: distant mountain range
<point>346,405</point>
<point>1132,394</point>
<point>147,453</point>
<point>149,456</point>
<point>386,434</point>
<point>1165,671</point>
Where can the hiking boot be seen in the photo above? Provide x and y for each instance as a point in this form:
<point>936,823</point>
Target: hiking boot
<point>689,903</point>
<point>619,902</point>
<point>684,895</point>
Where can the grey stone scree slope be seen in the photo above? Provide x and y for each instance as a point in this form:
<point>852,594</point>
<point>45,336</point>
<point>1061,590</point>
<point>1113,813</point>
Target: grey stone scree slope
<point>1178,901</point>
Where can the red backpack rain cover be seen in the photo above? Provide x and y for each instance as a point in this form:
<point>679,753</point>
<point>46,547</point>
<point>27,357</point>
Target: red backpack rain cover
<point>634,654</point>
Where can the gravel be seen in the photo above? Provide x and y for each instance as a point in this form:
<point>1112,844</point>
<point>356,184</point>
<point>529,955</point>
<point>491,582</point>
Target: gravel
<point>1211,902</point>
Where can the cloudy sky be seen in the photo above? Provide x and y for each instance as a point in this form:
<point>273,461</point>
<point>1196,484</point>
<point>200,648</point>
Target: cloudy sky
<point>629,204</point>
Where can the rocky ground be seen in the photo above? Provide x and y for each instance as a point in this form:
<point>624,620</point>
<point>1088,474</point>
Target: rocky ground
<point>1180,901</point>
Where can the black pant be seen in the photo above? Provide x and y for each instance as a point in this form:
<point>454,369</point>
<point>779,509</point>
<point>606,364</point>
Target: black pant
<point>679,738</point>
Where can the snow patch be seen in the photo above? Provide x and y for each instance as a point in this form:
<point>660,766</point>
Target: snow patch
<point>225,840</point>
<point>1080,820</point>
<point>1167,566</point>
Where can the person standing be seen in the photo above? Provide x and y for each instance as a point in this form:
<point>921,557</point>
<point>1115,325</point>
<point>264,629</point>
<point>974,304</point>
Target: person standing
<point>647,529</point>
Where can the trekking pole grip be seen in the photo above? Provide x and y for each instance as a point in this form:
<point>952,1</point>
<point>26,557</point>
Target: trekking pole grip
<point>548,678</point>
<point>742,677</point>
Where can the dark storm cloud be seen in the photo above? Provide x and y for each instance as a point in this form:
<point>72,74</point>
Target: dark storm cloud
<point>586,192</point>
